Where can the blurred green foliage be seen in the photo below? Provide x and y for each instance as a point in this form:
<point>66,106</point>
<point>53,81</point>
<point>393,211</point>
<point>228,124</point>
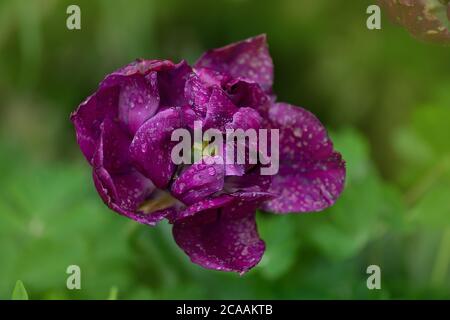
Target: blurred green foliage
<point>384,96</point>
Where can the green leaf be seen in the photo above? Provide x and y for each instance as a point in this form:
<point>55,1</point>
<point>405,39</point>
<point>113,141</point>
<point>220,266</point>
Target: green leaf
<point>19,293</point>
<point>282,243</point>
<point>367,205</point>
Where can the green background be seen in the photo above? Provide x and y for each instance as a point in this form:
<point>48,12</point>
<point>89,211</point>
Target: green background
<point>383,95</point>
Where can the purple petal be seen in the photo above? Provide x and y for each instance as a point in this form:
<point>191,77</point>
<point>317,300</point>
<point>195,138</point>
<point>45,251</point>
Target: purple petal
<point>248,94</point>
<point>312,174</point>
<point>219,110</point>
<point>251,187</point>
<point>90,115</point>
<point>202,205</point>
<point>197,94</point>
<point>212,77</point>
<point>171,85</point>
<point>138,100</point>
<point>199,181</point>
<point>221,239</point>
<point>248,59</point>
<point>104,103</point>
<point>120,186</point>
<point>246,118</point>
<point>152,146</point>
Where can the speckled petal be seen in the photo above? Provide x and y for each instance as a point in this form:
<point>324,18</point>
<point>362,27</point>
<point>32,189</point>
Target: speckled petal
<point>219,110</point>
<point>197,94</point>
<point>248,94</point>
<point>248,59</point>
<point>312,174</point>
<point>223,239</point>
<point>104,103</point>
<point>213,77</point>
<point>171,84</point>
<point>138,100</point>
<point>199,181</point>
<point>121,187</point>
<point>202,205</point>
<point>252,187</point>
<point>151,147</point>
<point>245,119</point>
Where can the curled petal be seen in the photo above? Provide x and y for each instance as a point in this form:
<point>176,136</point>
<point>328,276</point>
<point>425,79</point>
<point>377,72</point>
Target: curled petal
<point>199,181</point>
<point>219,110</point>
<point>151,147</point>
<point>211,77</point>
<point>202,205</point>
<point>223,239</point>
<point>248,94</point>
<point>104,103</point>
<point>246,118</point>
<point>312,174</point>
<point>248,59</point>
<point>171,84</point>
<point>138,101</point>
<point>121,186</point>
<point>197,94</point>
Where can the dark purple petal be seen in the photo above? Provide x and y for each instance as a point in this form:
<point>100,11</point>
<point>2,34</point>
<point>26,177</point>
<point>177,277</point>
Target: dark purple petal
<point>104,103</point>
<point>212,77</point>
<point>202,205</point>
<point>246,118</point>
<point>141,66</point>
<point>138,100</point>
<point>120,186</point>
<point>251,187</point>
<point>199,181</point>
<point>248,94</point>
<point>219,110</point>
<point>312,174</point>
<point>223,239</point>
<point>197,94</point>
<point>248,59</point>
<point>152,146</point>
<point>90,115</point>
<point>171,84</point>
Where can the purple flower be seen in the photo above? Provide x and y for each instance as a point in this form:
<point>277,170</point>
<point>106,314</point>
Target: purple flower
<point>124,130</point>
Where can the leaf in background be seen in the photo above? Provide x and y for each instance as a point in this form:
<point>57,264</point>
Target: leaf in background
<point>428,180</point>
<point>19,293</point>
<point>282,243</point>
<point>366,206</point>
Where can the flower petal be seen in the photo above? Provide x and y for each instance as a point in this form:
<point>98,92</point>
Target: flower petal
<point>219,110</point>
<point>199,181</point>
<point>312,174</point>
<point>151,147</point>
<point>197,93</point>
<point>248,59</point>
<point>104,103</point>
<point>171,85</point>
<point>248,94</point>
<point>138,100</point>
<point>121,187</point>
<point>221,239</point>
<point>244,119</point>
